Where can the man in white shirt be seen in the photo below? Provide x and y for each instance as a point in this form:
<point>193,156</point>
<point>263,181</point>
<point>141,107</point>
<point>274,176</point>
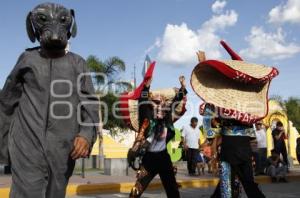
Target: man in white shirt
<point>261,138</point>
<point>191,141</point>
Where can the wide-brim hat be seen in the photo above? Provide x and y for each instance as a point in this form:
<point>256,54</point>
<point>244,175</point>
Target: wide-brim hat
<point>129,101</point>
<point>238,89</point>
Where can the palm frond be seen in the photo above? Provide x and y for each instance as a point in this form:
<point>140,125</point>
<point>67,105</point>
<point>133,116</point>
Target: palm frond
<point>97,66</point>
<point>114,65</point>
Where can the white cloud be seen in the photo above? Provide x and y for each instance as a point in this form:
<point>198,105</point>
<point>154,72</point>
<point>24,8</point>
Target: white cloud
<point>269,45</point>
<point>179,43</point>
<point>218,6</point>
<point>156,44</point>
<point>288,12</point>
<point>220,22</point>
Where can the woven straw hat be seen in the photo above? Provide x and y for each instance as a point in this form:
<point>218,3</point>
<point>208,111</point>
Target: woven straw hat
<point>239,89</point>
<point>129,102</point>
<point>168,94</point>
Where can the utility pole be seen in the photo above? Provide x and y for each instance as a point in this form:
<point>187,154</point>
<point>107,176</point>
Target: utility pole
<point>100,137</point>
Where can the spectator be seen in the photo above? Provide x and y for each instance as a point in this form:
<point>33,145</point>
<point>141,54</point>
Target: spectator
<point>201,162</point>
<point>191,141</point>
<point>279,144</point>
<point>298,149</point>
<point>207,152</point>
<point>277,169</point>
<point>254,156</point>
<point>261,157</point>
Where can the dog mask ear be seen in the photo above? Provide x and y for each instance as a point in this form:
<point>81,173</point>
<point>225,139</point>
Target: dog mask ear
<point>73,31</point>
<point>29,28</point>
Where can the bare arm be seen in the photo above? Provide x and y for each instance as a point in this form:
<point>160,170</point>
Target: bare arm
<point>277,137</point>
<point>184,141</point>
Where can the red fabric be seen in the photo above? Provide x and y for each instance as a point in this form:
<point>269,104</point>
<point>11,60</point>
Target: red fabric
<point>245,118</point>
<point>234,56</point>
<point>137,92</point>
<point>238,75</point>
<point>124,107</point>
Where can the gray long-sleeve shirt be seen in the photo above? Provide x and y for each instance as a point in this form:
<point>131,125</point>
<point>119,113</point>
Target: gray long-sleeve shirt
<point>41,104</point>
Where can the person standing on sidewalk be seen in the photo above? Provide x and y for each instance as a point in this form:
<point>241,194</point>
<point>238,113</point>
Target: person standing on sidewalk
<point>191,143</point>
<point>261,138</point>
<point>279,137</point>
<point>298,149</point>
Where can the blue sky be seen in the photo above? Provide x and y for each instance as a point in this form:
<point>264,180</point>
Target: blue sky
<point>170,31</point>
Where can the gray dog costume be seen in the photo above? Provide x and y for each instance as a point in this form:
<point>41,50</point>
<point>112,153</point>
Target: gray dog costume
<point>45,103</point>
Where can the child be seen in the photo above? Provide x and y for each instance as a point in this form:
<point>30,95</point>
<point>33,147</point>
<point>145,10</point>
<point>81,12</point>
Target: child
<point>277,169</point>
<point>200,162</point>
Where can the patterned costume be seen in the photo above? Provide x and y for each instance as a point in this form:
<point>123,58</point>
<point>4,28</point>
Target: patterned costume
<point>235,94</point>
<point>155,112</point>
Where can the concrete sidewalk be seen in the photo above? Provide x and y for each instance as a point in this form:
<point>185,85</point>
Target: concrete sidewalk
<point>95,182</point>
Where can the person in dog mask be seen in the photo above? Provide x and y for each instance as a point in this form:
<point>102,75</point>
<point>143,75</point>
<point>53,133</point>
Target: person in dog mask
<point>49,112</point>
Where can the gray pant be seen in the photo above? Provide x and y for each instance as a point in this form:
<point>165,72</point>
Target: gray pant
<point>274,171</point>
<point>261,161</point>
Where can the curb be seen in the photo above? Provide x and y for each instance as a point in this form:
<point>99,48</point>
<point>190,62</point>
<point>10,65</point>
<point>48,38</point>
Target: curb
<point>125,187</point>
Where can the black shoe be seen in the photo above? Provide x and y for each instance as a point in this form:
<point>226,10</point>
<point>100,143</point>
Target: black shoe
<point>193,174</point>
<point>273,179</point>
<point>283,180</point>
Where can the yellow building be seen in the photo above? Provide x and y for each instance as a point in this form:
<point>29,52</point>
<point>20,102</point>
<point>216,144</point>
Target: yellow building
<point>277,113</point>
<point>111,148</point>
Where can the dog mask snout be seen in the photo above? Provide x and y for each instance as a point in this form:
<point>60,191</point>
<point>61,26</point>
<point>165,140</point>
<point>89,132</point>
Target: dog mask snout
<point>55,37</point>
<point>52,25</point>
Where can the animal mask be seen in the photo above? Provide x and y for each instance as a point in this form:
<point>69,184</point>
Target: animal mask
<point>52,25</point>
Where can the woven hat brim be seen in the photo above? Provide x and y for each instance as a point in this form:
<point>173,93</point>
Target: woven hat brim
<point>168,94</point>
<point>133,114</point>
<point>242,71</point>
<point>217,88</point>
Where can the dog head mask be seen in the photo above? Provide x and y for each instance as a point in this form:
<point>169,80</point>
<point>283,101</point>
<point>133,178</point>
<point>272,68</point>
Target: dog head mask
<point>52,25</point>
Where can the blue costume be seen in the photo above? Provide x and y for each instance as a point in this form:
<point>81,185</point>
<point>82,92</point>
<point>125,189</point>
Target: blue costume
<point>235,155</point>
<point>235,95</point>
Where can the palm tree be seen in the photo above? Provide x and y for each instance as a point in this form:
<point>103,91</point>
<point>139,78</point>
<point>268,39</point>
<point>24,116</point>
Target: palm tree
<point>108,69</point>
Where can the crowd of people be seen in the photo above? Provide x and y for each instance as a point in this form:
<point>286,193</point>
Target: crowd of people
<point>200,157</point>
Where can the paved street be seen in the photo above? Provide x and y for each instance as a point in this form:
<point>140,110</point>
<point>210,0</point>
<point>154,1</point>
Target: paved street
<point>279,190</point>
